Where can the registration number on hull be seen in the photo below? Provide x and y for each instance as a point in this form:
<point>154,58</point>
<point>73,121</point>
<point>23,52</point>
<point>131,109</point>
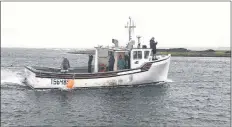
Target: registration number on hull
<point>59,81</point>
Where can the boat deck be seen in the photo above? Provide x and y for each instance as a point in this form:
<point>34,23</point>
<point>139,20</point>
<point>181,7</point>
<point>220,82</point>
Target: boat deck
<point>82,72</point>
<point>58,70</point>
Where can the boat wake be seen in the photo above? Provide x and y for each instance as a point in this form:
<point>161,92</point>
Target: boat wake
<point>65,89</point>
<point>169,80</point>
<point>11,79</point>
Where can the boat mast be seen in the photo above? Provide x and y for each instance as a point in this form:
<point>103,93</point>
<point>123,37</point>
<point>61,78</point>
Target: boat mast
<point>130,27</point>
<point>139,41</point>
<point>138,38</point>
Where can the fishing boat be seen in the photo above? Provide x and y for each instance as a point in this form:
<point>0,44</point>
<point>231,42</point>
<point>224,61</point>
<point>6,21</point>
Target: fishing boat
<point>142,69</point>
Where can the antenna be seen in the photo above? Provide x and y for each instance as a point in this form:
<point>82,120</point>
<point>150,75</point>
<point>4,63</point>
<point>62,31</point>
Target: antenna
<point>130,27</point>
<point>138,38</point>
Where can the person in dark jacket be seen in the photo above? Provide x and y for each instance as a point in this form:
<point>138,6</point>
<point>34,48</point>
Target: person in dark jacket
<point>127,61</point>
<point>90,63</point>
<point>111,62</point>
<point>153,46</point>
<point>65,64</point>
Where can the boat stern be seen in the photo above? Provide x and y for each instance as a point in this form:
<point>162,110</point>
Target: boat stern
<point>30,76</point>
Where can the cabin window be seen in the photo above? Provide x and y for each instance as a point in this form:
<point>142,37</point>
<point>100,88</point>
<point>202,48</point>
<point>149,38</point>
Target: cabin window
<point>146,54</point>
<point>137,55</point>
<point>151,54</point>
<point>140,54</point>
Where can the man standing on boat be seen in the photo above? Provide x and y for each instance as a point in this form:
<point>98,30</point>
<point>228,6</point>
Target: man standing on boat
<point>90,63</point>
<point>153,44</point>
<point>127,61</point>
<point>65,64</point>
<point>111,62</point>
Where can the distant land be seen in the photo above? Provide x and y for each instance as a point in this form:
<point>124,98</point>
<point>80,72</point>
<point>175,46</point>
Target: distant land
<point>183,52</point>
<point>189,48</point>
<point>199,48</point>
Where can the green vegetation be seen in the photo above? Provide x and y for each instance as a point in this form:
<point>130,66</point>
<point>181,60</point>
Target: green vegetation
<point>198,54</point>
<point>182,52</point>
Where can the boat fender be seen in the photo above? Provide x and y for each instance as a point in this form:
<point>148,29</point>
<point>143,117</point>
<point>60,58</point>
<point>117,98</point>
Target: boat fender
<point>70,84</point>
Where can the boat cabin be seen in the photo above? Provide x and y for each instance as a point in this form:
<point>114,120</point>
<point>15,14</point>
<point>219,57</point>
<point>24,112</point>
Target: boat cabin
<point>133,58</point>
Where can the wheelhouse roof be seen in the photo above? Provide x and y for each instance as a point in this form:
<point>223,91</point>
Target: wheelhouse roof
<point>114,49</point>
<point>121,49</point>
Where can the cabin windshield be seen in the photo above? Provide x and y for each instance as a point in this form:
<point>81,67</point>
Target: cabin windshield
<point>120,59</point>
<point>139,57</point>
<point>146,54</point>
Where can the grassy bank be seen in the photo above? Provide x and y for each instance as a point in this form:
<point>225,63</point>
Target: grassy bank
<point>198,54</point>
<point>180,52</point>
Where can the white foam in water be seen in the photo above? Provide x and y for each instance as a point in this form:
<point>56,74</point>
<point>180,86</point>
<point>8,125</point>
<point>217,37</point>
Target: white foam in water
<point>169,80</point>
<point>8,76</point>
<point>65,89</point>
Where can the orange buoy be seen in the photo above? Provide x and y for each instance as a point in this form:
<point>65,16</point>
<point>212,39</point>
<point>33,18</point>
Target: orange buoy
<point>70,84</point>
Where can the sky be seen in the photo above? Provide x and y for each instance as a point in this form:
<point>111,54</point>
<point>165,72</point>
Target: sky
<point>85,25</point>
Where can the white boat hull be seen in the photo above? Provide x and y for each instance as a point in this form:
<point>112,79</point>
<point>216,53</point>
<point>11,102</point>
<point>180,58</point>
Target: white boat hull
<point>158,72</point>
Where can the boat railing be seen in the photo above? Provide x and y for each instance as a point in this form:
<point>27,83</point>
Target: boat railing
<point>40,71</point>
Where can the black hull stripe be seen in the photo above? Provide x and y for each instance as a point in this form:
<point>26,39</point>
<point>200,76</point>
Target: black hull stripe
<point>40,74</point>
<point>89,77</point>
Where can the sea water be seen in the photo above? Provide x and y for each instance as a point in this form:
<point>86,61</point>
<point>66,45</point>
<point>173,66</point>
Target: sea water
<point>197,93</point>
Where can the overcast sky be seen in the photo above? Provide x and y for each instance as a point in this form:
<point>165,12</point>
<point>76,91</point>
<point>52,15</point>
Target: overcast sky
<point>84,25</point>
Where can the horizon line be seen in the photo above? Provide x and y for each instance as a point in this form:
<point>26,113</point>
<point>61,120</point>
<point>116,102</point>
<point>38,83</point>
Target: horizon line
<point>227,48</point>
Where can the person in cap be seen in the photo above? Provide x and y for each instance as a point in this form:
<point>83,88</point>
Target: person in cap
<point>90,63</point>
<point>65,64</point>
<point>153,44</point>
<point>111,62</point>
<point>127,61</point>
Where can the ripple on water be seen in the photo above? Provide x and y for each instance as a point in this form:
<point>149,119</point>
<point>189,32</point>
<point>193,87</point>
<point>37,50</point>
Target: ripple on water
<point>198,95</point>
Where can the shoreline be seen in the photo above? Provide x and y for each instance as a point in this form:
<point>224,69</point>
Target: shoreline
<point>180,52</point>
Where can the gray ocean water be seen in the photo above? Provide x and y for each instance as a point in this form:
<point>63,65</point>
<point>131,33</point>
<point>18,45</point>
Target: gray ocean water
<point>196,94</point>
